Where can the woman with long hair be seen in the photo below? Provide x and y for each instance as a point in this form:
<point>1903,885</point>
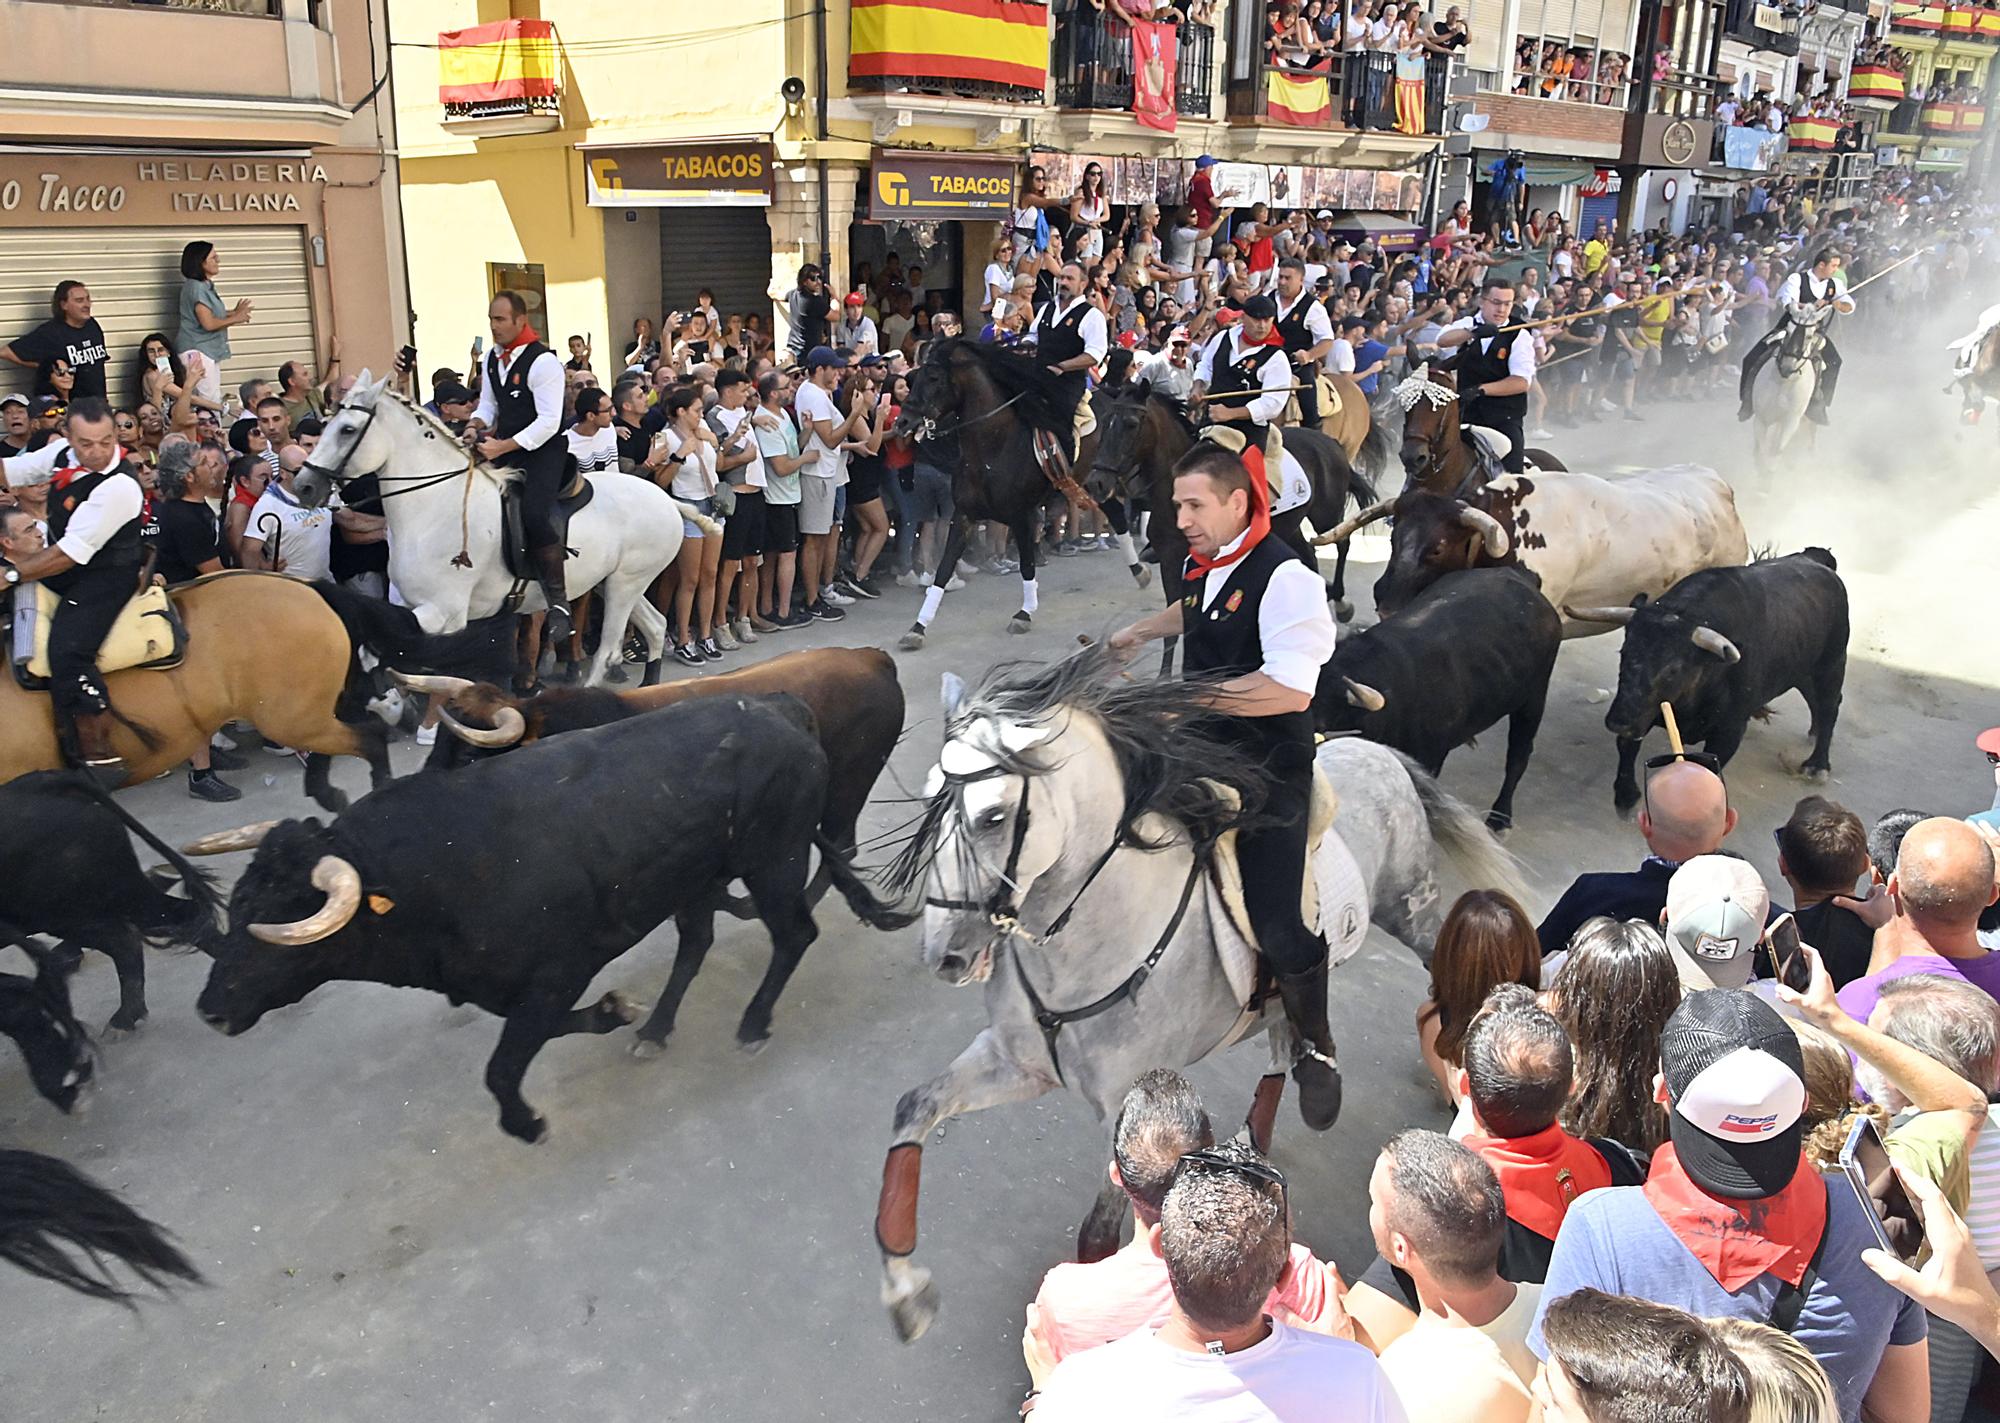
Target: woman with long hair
<point>1487,939</point>
<point>865,473</point>
<point>158,372</point>
<point>1089,210</point>
<point>204,321</point>
<point>1613,995</point>
<point>1411,57</point>
<point>689,475</point>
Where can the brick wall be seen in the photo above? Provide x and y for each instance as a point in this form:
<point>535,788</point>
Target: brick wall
<point>1552,118</point>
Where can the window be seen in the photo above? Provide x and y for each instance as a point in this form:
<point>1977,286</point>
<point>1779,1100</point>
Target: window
<point>525,278</point>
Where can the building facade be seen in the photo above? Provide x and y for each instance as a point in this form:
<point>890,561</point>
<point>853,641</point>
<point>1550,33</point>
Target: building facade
<point>262,126</point>
<point>669,149</point>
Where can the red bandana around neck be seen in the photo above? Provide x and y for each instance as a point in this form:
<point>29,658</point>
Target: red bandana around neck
<point>1260,518</point>
<point>526,334</point>
<point>1736,1241</point>
<point>1541,1175</point>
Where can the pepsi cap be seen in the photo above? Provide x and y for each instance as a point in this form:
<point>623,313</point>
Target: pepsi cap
<point>1735,1077</point>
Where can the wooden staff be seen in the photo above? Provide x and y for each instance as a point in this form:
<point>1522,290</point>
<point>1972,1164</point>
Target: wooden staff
<point>1884,272</point>
<point>1673,728</point>
<point>1601,310</point>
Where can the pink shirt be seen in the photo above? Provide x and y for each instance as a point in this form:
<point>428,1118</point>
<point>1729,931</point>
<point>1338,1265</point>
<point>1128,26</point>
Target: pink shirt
<point>1084,1306</point>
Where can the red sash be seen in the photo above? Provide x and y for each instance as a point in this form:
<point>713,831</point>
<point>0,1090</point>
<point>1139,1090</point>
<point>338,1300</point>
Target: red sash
<point>1736,1241</point>
<point>1542,1175</point>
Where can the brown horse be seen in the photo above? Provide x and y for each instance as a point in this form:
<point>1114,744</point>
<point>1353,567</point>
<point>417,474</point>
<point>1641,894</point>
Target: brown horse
<point>1352,425</point>
<point>261,648</point>
<point>1435,454</point>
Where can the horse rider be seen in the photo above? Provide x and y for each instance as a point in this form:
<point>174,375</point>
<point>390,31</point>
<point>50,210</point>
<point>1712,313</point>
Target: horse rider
<point>519,423</point>
<point>92,562</point>
<point>1307,332</point>
<point>1255,627</point>
<point>1245,379</point>
<point>1496,370</point>
<point>1803,298</point>
<point>1071,339</point>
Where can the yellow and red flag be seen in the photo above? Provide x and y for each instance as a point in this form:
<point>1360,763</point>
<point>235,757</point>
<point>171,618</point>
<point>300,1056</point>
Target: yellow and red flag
<point>997,41</point>
<point>1304,100</point>
<point>508,59</point>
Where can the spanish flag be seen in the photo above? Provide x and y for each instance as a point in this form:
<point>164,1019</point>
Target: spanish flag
<point>1875,81</point>
<point>1961,22</point>
<point>1811,132</point>
<point>508,59</point>
<point>997,41</point>
<point>1989,24</point>
<point>1918,15</point>
<point>1304,100</point>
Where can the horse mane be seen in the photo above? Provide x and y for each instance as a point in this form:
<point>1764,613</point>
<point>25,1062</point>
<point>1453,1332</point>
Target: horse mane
<point>1162,732</point>
<point>1041,394</point>
<point>1174,406</point>
<point>500,474</point>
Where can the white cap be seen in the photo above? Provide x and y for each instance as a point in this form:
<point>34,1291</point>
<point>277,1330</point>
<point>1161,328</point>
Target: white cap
<point>1716,907</point>
<point>1746,1095</point>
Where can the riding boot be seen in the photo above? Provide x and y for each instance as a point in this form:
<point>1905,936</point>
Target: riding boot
<point>549,573</point>
<point>93,749</point>
<point>1316,1072</point>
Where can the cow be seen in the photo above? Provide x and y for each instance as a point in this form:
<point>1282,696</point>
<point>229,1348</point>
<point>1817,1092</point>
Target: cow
<point>70,873</point>
<point>852,693</point>
<point>1471,648</point>
<point>1719,646</point>
<point>36,1014</point>
<point>511,883</point>
<point>1592,541</point>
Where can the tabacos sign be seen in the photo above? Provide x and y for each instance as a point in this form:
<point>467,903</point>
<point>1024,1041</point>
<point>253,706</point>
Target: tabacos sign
<point>680,175</point>
<point>931,187</point>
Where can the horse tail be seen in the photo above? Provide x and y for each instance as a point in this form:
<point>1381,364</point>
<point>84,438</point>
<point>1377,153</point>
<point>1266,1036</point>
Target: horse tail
<point>194,919</point>
<point>1371,461</point>
<point>709,528</point>
<point>58,1224</point>
<point>856,890</point>
<point>394,635</point>
<point>1464,838</point>
<point>1360,479</point>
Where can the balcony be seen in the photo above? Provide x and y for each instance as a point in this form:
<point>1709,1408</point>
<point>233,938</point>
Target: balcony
<point>1927,20</point>
<point>1092,65</point>
<point>1355,93</point>
<point>500,79</point>
<point>1770,27</point>
<point>908,47</point>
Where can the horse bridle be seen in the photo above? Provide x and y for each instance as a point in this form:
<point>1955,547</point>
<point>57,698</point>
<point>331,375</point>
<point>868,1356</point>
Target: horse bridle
<point>1002,910</point>
<point>339,478</point>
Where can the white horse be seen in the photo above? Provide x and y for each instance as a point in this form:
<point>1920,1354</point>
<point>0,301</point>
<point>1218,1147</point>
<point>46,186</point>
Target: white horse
<point>445,524</point>
<point>1785,387</point>
<point>1065,859</point>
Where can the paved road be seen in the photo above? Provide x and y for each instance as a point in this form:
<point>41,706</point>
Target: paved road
<point>693,1240</point>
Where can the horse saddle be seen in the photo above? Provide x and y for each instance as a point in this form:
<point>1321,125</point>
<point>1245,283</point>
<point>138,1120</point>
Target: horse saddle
<point>1497,445</point>
<point>148,634</point>
<point>514,547</point>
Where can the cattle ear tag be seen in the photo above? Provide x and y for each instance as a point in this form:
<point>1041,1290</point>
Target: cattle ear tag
<point>380,903</point>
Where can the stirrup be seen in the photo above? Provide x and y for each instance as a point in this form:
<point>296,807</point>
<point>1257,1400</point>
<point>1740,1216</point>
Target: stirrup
<point>110,772</point>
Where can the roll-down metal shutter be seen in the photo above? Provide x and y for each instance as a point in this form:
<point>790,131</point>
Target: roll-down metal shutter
<point>135,286</point>
<point>726,249</point>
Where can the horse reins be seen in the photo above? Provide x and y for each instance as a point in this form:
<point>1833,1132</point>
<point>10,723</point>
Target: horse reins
<point>338,477</point>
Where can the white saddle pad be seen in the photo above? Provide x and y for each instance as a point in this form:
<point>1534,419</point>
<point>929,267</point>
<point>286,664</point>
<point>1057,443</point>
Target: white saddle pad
<point>1498,443</point>
<point>1342,915</point>
<point>1298,488</point>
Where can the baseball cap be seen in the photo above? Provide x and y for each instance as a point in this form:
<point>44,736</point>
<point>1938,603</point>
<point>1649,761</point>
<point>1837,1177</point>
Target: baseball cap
<point>1179,333</point>
<point>871,359</point>
<point>13,397</point>
<point>1227,316</point>
<point>1128,339</point>
<point>1987,741</point>
<point>1324,212</point>
<point>1262,306</point>
<point>1735,1076</point>
<point>822,356</point>
<point>46,403</point>
<point>451,393</point>
<point>1716,906</point>
<point>856,299</point>
<point>1205,161</point>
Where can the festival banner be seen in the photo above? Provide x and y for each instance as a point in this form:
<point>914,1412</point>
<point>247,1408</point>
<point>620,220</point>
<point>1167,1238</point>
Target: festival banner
<point>1752,150</point>
<point>998,41</point>
<point>1302,100</point>
<point>1876,81</point>
<point>1154,59</point>
<point>508,59</point>
<point>1812,133</point>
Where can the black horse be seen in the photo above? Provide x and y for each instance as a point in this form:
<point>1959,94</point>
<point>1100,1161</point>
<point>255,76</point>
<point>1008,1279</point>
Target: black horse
<point>990,400</point>
<point>59,1225</point>
<point>1144,434</point>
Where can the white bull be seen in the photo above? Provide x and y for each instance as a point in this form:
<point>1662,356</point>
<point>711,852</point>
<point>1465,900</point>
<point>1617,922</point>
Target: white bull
<point>1591,540</point>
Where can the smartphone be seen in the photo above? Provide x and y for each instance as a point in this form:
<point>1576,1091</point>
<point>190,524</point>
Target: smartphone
<point>406,359</point>
<point>1864,1161</point>
<point>1788,961</point>
<point>478,346</point>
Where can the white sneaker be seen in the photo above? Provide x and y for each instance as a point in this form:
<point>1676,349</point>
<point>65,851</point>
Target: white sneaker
<point>836,597</point>
<point>967,568</point>
<point>1540,435</point>
<point>724,639</point>
<point>955,584</point>
<point>427,736</point>
<point>222,741</point>
<point>911,579</point>
<point>744,632</point>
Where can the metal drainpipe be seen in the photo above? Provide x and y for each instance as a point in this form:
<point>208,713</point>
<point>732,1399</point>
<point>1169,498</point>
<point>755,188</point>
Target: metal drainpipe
<point>823,132</point>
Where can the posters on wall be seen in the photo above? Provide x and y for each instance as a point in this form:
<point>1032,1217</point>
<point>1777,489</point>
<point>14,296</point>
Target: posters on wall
<point>1282,185</point>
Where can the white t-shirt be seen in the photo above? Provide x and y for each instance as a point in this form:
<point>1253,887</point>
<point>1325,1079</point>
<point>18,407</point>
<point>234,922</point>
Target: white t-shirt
<point>813,405</point>
<point>752,473</point>
<point>694,476</point>
<point>1291,1377</point>
<point>305,536</point>
<point>1444,1373</point>
<point>999,282</point>
<point>594,452</point>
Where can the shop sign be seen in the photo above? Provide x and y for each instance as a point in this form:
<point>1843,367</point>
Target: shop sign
<point>680,175</point>
<point>1597,184</point>
<point>95,190</point>
<point>937,187</point>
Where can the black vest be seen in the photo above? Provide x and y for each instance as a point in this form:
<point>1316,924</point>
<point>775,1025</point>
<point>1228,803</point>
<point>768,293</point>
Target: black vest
<point>1223,639</point>
<point>513,401</point>
<point>67,492</point>
<point>1061,340</point>
<point>1477,368</point>
<point>1292,325</point>
<point>1239,375</point>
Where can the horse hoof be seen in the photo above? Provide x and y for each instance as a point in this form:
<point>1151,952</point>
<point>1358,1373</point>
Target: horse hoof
<point>750,1047</point>
<point>1343,611</point>
<point>1020,622</point>
<point>911,641</point>
<point>913,1310</point>
<point>115,1031</point>
<point>652,677</point>
<point>1624,805</point>
<point>1816,774</point>
<point>1142,575</point>
<point>1498,822</point>
<point>646,1049</point>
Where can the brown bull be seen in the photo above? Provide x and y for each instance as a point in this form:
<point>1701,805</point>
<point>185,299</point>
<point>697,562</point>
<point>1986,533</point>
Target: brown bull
<point>261,648</point>
<point>852,691</point>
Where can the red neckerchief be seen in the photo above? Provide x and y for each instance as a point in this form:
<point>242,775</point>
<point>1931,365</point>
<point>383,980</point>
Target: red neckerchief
<point>521,338</point>
<point>63,478</point>
<point>1736,1241</point>
<point>1260,518</point>
<point>1543,1174</point>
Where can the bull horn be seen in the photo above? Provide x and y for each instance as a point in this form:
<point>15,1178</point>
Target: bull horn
<point>1709,640</point>
<point>509,726</point>
<point>1620,616</point>
<point>341,883</point>
<point>435,686</point>
<point>1362,695</point>
<point>1346,530</point>
<point>1494,531</point>
<point>243,837</point>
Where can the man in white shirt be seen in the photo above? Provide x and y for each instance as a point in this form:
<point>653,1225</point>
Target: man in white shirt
<point>1437,1212</point>
<point>1224,1234</point>
<point>1259,620</point>
<point>855,333</point>
<point>305,536</point>
<point>740,462</point>
<point>517,424</point>
<point>1071,339</point>
<point>1170,371</point>
<point>1494,375</point>
<point>1307,333</point>
<point>593,443</point>
<point>824,428</point>
<point>1807,297</point>
<point>92,561</point>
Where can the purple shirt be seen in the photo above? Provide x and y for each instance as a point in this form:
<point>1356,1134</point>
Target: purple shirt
<point>1858,999</point>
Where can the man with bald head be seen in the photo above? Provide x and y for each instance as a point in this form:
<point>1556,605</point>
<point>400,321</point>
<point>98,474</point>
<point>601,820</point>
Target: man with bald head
<point>1686,813</point>
<point>1943,881</point>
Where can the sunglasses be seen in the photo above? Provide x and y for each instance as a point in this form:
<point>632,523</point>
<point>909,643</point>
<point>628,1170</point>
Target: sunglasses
<point>1258,1173</point>
<point>1659,763</point>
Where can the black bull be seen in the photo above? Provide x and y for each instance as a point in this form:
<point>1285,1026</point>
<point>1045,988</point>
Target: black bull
<point>1720,646</point>
<point>511,883</point>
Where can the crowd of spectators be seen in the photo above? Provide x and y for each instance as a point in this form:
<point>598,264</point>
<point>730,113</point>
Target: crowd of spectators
<point>1578,73</point>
